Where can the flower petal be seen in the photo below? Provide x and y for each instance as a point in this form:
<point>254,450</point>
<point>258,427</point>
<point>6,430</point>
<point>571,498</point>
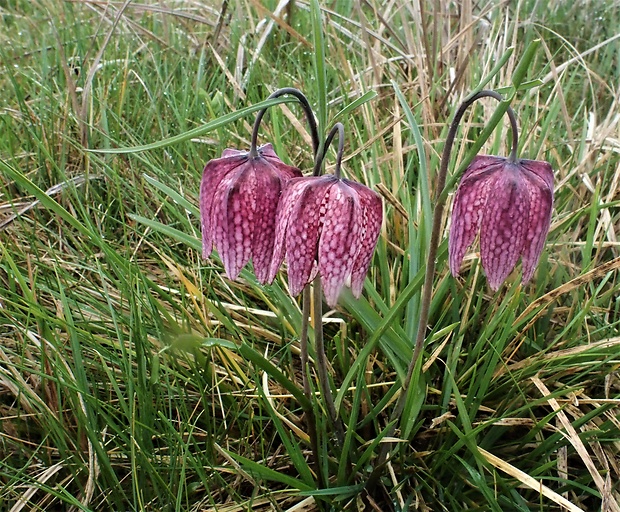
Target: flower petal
<point>266,151</point>
<point>268,189</point>
<point>212,175</point>
<point>233,219</point>
<point>228,152</point>
<point>339,239</point>
<point>504,223</point>
<point>541,169</point>
<point>289,200</point>
<point>539,181</point>
<point>271,176</point>
<point>285,172</point>
<point>469,203</point>
<point>304,228</point>
<point>370,227</point>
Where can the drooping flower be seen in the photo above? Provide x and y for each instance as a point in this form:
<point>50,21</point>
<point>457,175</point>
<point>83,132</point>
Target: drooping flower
<point>510,203</point>
<point>326,225</point>
<point>239,196</point>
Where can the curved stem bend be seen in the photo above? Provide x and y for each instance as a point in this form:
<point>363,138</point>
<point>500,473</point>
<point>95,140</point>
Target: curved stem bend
<point>337,129</point>
<point>314,132</point>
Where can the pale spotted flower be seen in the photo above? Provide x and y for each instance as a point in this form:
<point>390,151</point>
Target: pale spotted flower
<point>510,203</point>
<point>239,196</point>
<point>330,226</point>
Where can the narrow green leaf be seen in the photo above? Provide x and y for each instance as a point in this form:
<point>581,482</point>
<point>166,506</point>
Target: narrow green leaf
<point>320,73</point>
<point>416,396</point>
<point>481,484</point>
<point>499,64</point>
<point>366,455</point>
<point>292,448</point>
<point>47,201</point>
<point>424,191</point>
<point>179,236</point>
<point>341,493</point>
<point>188,342</point>
<point>200,130</point>
<point>266,473</point>
<point>364,98</point>
<point>419,241</point>
<point>347,452</point>
<point>378,327</point>
<point>252,355</point>
<point>174,195</point>
<point>525,86</point>
<point>524,64</point>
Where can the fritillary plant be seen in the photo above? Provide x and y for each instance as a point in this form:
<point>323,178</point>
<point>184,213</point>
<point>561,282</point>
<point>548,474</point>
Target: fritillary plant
<point>509,201</point>
<point>264,215</point>
<point>254,207</point>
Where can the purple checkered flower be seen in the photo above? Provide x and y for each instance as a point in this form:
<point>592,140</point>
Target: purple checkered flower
<point>239,196</point>
<point>330,226</point>
<point>510,203</point>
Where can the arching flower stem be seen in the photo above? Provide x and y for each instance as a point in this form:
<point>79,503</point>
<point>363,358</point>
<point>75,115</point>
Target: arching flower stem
<point>317,309</point>
<point>337,129</point>
<point>436,229</point>
<point>314,132</point>
<point>432,256</point>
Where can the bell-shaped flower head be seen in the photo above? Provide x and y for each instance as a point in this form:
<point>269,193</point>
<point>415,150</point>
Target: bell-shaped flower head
<point>509,201</point>
<point>239,196</point>
<point>330,226</point>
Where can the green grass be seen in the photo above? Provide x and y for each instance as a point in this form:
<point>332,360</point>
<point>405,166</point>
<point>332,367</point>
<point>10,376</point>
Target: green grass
<point>135,376</point>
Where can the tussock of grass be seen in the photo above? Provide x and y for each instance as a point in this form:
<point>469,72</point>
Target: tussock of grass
<point>135,376</point>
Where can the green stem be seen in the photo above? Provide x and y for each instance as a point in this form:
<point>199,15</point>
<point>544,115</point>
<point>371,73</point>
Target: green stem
<point>310,416</point>
<point>321,361</point>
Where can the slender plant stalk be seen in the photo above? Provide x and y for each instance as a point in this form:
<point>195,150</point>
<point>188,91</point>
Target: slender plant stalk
<point>436,229</point>
<point>314,132</point>
<point>306,301</point>
<point>337,129</point>
<point>430,266</point>
<point>305,313</point>
<point>321,360</point>
<point>310,416</point>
